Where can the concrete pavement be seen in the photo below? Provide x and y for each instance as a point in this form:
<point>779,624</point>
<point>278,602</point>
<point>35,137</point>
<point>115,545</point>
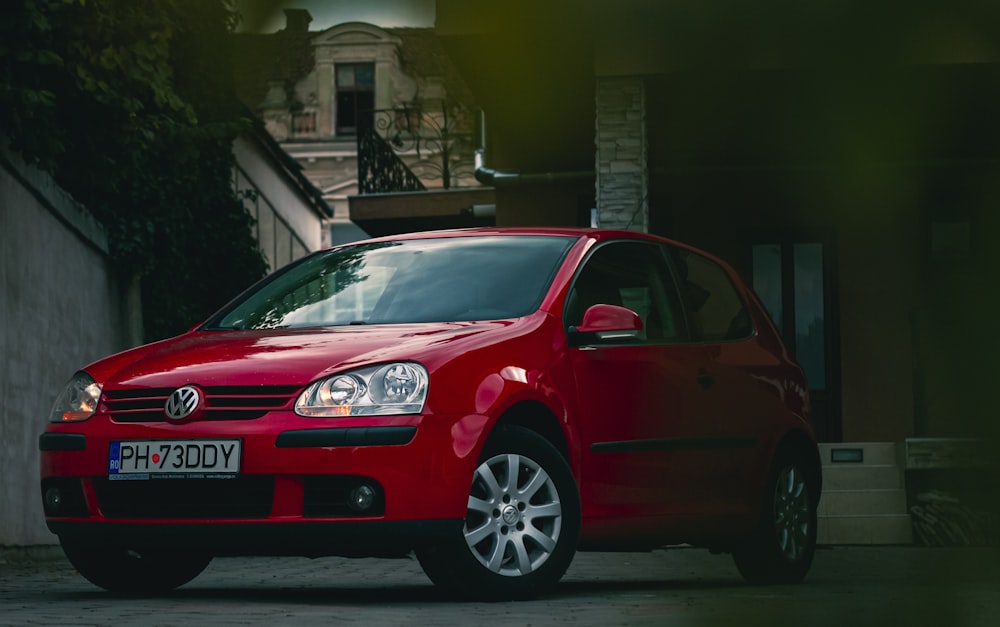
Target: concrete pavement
<point>848,587</point>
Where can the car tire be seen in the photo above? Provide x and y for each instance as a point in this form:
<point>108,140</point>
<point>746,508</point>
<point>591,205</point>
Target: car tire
<point>126,571</point>
<point>520,531</point>
<point>781,548</point>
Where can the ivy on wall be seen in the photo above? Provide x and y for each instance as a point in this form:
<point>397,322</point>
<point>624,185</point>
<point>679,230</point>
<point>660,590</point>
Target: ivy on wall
<point>130,106</point>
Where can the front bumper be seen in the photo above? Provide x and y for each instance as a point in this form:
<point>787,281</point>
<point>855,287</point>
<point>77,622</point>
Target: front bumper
<point>289,496</point>
<point>310,539</point>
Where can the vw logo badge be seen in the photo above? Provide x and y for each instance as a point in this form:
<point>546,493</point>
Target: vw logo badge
<point>182,403</point>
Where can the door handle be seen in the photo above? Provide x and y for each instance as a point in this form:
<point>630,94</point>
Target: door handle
<point>705,379</point>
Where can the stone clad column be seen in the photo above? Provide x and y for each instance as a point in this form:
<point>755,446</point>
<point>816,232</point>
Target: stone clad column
<point>622,171</point>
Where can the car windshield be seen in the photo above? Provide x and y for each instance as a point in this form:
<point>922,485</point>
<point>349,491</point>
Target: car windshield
<point>431,280</point>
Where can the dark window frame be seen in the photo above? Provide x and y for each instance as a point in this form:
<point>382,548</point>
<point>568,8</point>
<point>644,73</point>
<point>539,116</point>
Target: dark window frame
<point>355,102</point>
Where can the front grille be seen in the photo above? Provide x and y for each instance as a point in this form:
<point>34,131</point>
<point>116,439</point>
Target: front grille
<point>221,402</point>
<point>249,496</point>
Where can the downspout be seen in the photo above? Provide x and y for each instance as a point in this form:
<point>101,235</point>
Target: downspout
<point>505,178</point>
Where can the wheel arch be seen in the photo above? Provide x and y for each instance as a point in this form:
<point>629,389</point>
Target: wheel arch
<point>537,417</point>
<point>477,562</point>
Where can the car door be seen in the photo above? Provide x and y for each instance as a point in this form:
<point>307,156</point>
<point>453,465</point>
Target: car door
<point>642,401</point>
<point>736,415</point>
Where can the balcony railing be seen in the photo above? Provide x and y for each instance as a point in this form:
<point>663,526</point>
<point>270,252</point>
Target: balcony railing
<point>411,148</point>
<point>304,124</point>
<point>380,170</point>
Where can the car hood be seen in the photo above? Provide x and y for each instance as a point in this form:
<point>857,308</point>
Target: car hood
<point>287,356</point>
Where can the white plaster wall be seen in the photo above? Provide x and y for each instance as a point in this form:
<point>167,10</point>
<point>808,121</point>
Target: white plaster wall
<point>277,195</point>
<point>60,309</point>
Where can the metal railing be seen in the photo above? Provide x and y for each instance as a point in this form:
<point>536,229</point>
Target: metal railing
<point>380,170</point>
<point>406,147</point>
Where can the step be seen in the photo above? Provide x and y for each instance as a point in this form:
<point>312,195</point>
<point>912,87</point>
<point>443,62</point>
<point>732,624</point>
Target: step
<point>862,502</point>
<point>870,453</point>
<point>948,453</point>
<point>862,477</point>
<point>890,529</point>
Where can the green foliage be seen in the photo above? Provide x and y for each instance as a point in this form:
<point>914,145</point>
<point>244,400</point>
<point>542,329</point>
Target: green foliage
<point>285,57</point>
<point>130,106</point>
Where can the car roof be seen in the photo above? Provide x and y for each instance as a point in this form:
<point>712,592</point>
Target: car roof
<point>595,235</point>
<point>575,232</point>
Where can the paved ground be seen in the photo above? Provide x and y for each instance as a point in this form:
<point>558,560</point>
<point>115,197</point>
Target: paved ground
<point>848,587</point>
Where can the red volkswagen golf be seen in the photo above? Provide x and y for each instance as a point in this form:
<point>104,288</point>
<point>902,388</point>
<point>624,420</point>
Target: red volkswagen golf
<point>490,400</point>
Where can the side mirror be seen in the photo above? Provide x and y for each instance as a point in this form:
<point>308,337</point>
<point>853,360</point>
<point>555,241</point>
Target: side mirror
<point>611,322</point>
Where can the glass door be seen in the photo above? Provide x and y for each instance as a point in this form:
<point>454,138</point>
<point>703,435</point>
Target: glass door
<point>793,279</point>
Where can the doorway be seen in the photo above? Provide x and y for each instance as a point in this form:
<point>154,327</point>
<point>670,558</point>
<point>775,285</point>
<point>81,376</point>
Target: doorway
<point>793,276</point>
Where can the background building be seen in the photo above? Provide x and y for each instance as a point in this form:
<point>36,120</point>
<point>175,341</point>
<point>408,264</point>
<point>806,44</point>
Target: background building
<point>367,111</point>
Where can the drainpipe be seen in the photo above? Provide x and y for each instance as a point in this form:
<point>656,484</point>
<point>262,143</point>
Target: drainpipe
<point>505,178</point>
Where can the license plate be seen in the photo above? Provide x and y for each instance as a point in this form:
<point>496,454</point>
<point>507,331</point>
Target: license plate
<point>145,459</point>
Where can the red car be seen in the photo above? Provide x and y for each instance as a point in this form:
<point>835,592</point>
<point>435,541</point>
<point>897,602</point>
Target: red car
<point>490,400</point>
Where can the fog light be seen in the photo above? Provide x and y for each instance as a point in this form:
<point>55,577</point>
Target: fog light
<point>53,500</point>
<point>361,498</point>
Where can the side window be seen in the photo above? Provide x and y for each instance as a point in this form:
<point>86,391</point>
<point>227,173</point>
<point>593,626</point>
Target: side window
<point>633,275</point>
<point>714,306</point>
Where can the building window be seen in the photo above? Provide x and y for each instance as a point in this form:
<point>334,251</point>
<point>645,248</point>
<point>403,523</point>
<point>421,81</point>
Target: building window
<point>355,97</point>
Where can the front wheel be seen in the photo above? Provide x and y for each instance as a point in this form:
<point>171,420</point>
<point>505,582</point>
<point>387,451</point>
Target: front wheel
<point>522,522</point>
<point>134,571</point>
<point>781,548</point>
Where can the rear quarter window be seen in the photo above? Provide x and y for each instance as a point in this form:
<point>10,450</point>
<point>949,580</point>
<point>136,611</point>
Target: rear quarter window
<point>713,303</point>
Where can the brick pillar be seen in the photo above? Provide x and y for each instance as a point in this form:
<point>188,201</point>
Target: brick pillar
<point>622,173</point>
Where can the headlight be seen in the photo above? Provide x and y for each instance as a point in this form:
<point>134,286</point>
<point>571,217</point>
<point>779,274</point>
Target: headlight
<point>399,388</point>
<point>78,401</point>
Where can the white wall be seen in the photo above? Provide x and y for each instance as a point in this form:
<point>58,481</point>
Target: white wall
<point>288,227</point>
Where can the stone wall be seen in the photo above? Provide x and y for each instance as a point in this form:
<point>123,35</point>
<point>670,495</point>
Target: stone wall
<point>622,173</point>
<point>60,309</point>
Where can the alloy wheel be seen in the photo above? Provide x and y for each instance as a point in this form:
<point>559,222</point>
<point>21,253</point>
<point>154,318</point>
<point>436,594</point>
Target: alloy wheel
<point>514,515</point>
<point>791,513</point>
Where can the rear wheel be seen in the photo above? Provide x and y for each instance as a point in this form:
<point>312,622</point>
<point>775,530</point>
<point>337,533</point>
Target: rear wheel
<point>134,571</point>
<point>522,522</point>
<point>781,548</point>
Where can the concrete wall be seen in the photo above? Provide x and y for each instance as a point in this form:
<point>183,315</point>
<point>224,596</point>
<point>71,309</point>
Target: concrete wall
<point>60,309</point>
